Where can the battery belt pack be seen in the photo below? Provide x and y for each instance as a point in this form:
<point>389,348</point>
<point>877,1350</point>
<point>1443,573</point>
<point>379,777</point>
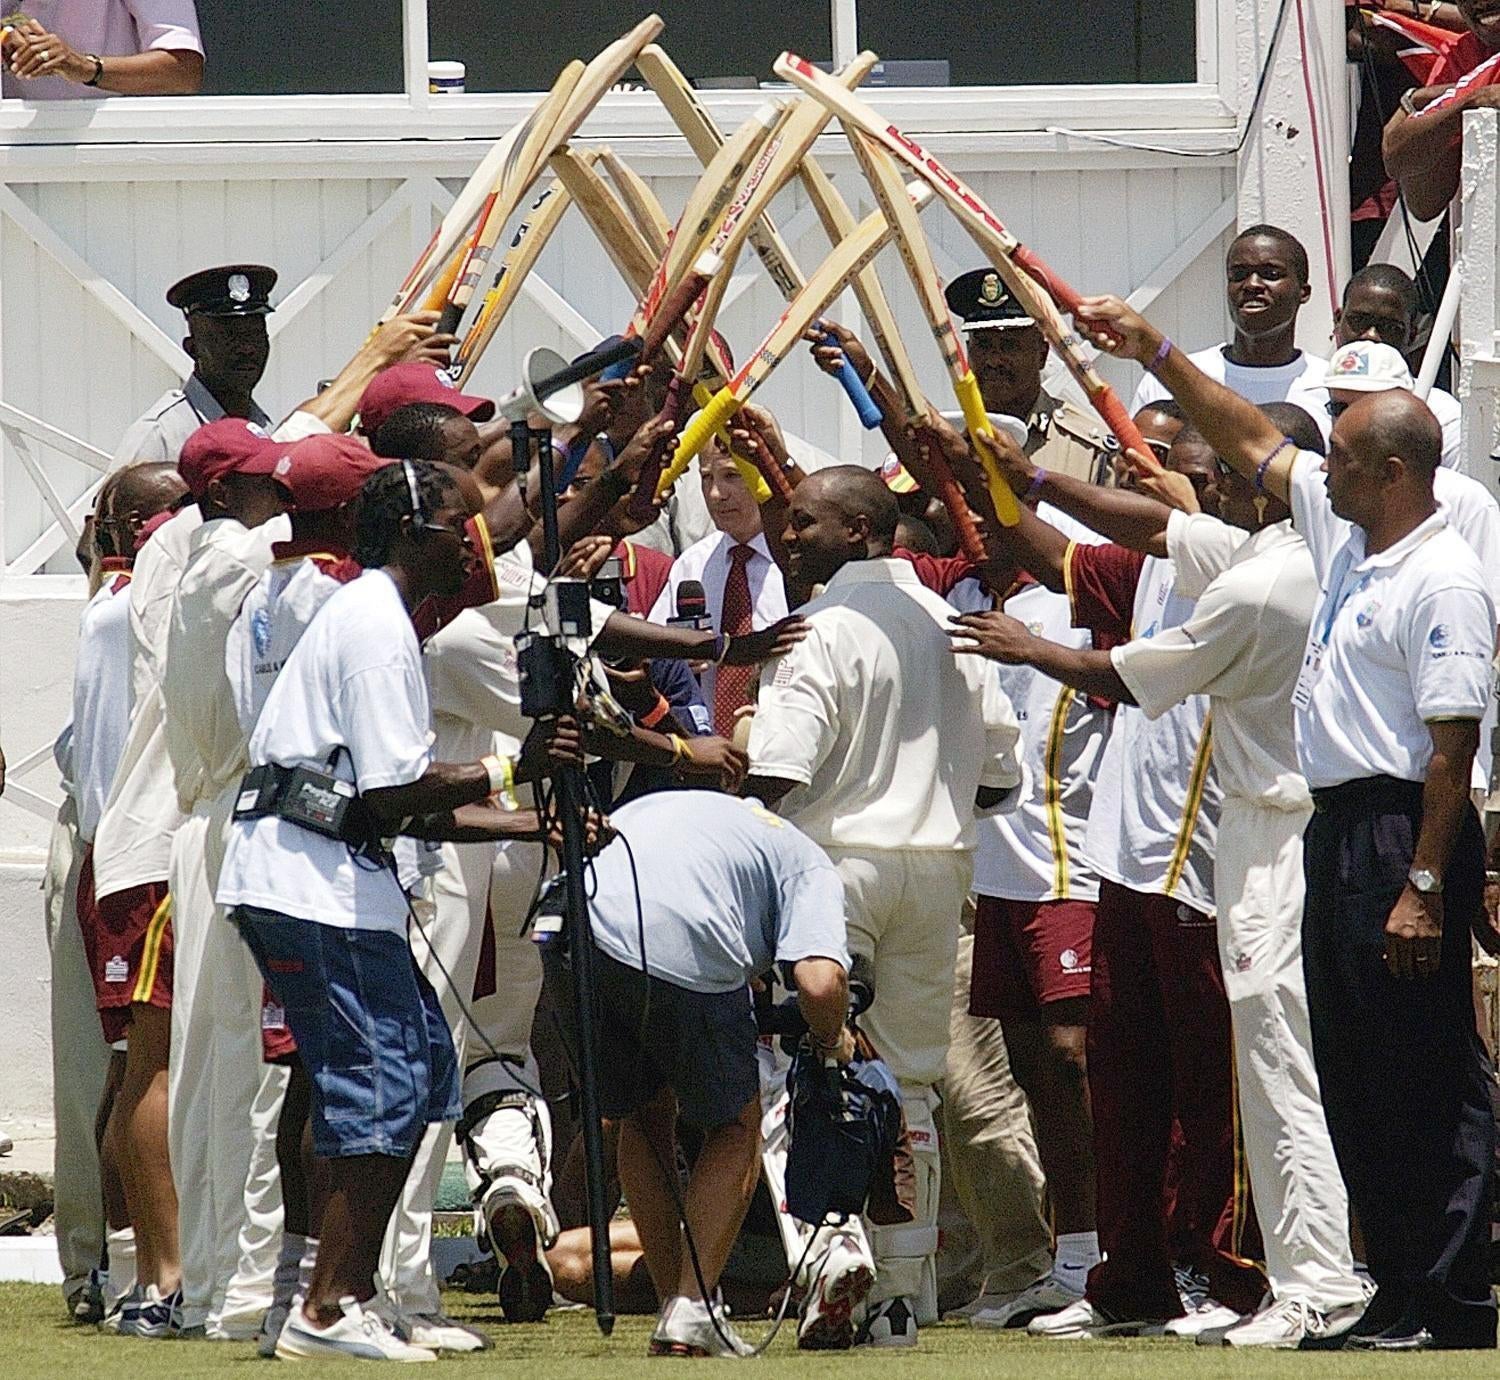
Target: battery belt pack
<point>312,798</point>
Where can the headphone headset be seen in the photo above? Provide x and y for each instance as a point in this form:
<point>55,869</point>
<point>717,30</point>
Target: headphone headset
<point>414,497</point>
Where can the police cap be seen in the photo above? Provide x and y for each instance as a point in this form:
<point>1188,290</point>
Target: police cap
<point>233,290</point>
<point>982,301</point>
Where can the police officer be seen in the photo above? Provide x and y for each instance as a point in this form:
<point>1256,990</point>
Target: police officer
<point>227,340</point>
<point>1007,352</point>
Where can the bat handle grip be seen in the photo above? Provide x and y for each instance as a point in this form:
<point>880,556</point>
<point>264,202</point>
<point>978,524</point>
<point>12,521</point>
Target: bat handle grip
<point>448,322</point>
<point>969,540</point>
<point>869,411</point>
<point>768,466</point>
<point>617,371</point>
<point>671,311</point>
<point>643,501</point>
<point>695,436</point>
<point>978,422</point>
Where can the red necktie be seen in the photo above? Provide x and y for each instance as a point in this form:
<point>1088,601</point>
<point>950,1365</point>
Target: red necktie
<point>732,683</point>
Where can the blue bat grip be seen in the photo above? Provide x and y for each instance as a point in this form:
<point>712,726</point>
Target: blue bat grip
<point>617,371</point>
<point>572,464</point>
<point>869,413</point>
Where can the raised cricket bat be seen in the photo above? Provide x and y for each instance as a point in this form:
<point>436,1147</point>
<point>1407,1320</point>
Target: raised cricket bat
<point>880,170</point>
<point>1037,287</point>
<point>638,198</point>
<point>525,249</point>
<point>823,285</point>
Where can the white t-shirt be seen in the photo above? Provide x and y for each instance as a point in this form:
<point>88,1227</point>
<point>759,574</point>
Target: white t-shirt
<point>1400,638</point>
<point>707,561</point>
<point>1035,852</point>
<point>888,734</point>
<point>1450,414</point>
<point>354,682</point>
<point>1241,646</point>
<point>726,889</point>
<point>101,700</point>
<point>1155,814</point>
<point>1300,382</point>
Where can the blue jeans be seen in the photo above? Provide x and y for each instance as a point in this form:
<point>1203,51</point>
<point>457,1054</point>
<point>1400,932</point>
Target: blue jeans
<point>368,1027</point>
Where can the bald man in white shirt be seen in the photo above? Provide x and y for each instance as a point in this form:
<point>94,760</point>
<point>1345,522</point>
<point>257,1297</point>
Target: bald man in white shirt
<point>881,749</point>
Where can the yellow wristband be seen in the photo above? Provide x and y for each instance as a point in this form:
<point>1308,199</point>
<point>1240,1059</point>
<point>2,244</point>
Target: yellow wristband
<point>681,752</point>
<point>502,774</point>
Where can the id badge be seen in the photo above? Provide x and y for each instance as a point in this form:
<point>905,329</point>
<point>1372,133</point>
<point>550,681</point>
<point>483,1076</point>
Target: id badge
<point>1312,666</point>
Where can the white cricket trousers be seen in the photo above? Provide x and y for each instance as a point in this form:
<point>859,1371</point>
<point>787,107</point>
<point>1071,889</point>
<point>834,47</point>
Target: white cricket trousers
<point>902,909</point>
<point>80,1064</point>
<point>215,1068</point>
<point>1299,1195</point>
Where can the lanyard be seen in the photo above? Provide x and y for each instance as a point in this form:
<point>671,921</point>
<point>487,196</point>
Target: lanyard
<point>1338,596</point>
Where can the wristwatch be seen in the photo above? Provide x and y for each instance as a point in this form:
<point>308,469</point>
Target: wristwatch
<point>98,68</point>
<point>1426,881</point>
<point>1407,103</point>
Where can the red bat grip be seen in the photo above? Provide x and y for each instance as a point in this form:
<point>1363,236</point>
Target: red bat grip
<point>1063,293</point>
<point>673,308</point>
<point>952,497</point>
<point>765,459</point>
<point>1107,403</point>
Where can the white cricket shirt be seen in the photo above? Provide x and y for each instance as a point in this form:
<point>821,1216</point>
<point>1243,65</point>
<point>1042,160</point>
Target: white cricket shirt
<point>351,693</point>
<point>1399,638</point>
<point>101,699</point>
<point>888,734</point>
<point>204,739</point>
<point>1154,819</point>
<point>1035,852</point>
<point>1241,646</point>
<point>1300,382</point>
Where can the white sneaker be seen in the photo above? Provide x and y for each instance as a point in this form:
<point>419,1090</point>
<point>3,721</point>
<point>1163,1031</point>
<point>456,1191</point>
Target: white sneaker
<point>270,1328</point>
<point>1048,1295</point>
<point>687,1328</point>
<point>360,1332</point>
<point>891,1322</point>
<point>843,1278</point>
<point>1203,1317</point>
<point>439,1332</point>
<point>1282,1326</point>
<point>1087,1319</point>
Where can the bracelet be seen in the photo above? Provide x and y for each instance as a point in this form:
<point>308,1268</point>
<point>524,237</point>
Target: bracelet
<point>659,711</point>
<point>681,752</point>
<point>1260,469</point>
<point>722,643</point>
<point>502,774</point>
<point>1034,491</point>
<point>98,69</point>
<point>1160,357</point>
<point>609,448</point>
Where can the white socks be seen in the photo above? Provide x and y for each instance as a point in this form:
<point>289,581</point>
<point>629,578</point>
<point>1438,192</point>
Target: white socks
<point>120,1251</point>
<point>1077,1254</point>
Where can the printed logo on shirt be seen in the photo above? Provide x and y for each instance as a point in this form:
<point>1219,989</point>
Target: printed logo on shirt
<point>117,970</point>
<point>1439,637</point>
<point>1366,615</point>
<point>1037,628</point>
<point>1069,962</point>
<point>1243,963</point>
<point>783,674</point>
<point>1189,919</point>
<point>272,1016</point>
<point>260,631</point>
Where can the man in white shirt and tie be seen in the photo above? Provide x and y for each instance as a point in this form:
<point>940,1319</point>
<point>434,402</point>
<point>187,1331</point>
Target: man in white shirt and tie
<point>741,582</point>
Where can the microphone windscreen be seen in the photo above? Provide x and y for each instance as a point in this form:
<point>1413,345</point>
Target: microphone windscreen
<point>692,602</point>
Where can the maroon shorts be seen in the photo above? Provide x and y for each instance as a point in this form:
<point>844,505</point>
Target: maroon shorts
<point>277,1044</point>
<point>133,953</point>
<point>1028,954</point>
<point>116,1019</point>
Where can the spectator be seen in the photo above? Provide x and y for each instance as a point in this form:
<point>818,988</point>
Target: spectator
<point>62,50</point>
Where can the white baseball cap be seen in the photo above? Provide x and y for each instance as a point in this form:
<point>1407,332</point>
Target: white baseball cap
<point>1366,366</point>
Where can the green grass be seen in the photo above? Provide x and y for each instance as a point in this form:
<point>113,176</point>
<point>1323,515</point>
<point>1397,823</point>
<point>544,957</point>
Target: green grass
<point>36,1342</point>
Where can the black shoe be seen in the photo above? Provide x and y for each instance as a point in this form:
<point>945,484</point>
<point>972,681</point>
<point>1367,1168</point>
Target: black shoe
<point>1405,1336</point>
<point>1387,1308</point>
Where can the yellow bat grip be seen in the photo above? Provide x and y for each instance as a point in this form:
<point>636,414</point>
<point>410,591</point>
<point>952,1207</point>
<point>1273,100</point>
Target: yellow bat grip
<point>694,437</point>
<point>754,480</point>
<point>978,422</point>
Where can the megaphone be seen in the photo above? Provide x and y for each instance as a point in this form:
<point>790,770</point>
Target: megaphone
<point>560,406</point>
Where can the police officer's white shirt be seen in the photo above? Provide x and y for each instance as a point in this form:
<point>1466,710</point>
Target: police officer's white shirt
<point>726,889</point>
<point>1035,852</point>
<point>1154,820</point>
<point>353,691</point>
<point>101,702</point>
<point>134,838</point>
<point>204,739</point>
<point>161,431</point>
<point>887,733</point>
<point>707,561</point>
<point>1400,638</point>
<point>1300,382</point>
<point>1241,646</point>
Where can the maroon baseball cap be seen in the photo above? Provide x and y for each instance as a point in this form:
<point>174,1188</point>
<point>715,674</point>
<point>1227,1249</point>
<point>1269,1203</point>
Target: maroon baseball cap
<point>415,382</point>
<point>230,445</point>
<point>326,471</point>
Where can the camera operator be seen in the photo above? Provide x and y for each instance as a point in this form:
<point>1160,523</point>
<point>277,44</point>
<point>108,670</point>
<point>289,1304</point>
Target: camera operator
<point>323,908</point>
<point>700,893</point>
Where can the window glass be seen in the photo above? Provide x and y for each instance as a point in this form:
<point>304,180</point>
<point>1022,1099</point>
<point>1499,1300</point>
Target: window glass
<point>1038,42</point>
<point>506,46</point>
<point>265,47</point>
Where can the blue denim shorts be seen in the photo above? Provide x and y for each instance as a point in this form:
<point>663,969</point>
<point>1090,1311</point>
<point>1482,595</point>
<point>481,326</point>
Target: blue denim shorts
<point>369,1031</point>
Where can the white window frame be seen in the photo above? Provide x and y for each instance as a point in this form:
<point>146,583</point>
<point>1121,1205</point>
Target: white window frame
<point>1199,111</point>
